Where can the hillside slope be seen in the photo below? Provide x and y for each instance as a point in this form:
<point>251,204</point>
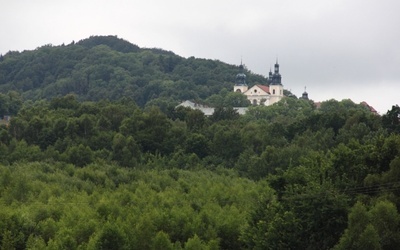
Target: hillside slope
<point>107,67</point>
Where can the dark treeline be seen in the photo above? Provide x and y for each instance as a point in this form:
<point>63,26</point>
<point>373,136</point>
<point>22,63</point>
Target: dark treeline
<point>113,175</point>
<point>106,67</point>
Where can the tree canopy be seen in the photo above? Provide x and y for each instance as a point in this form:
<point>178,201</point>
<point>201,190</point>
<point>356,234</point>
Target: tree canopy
<point>96,156</point>
<point>107,67</point>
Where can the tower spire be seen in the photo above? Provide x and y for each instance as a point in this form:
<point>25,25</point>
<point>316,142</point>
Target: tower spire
<point>276,77</point>
<point>241,77</point>
<point>305,94</point>
<point>269,78</point>
<point>276,66</point>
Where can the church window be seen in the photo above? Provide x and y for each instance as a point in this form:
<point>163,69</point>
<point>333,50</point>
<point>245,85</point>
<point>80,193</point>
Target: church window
<point>273,91</point>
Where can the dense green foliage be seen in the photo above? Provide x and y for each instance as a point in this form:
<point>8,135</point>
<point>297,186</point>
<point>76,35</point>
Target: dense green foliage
<point>59,206</point>
<point>111,175</point>
<point>116,166</point>
<point>107,67</point>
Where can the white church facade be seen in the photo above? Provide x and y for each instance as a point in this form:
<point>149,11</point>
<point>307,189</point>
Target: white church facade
<point>261,94</point>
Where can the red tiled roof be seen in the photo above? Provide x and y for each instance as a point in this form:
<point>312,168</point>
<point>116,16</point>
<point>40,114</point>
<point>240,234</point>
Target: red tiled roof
<point>365,104</point>
<point>264,88</point>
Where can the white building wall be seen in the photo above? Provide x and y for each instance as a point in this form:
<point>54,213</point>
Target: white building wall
<point>276,93</point>
<point>240,88</point>
<point>257,96</point>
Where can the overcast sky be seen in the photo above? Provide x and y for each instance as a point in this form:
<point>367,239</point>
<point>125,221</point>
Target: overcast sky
<point>341,49</point>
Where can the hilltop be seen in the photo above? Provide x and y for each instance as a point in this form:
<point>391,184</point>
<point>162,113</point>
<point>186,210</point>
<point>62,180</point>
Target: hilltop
<point>108,67</point>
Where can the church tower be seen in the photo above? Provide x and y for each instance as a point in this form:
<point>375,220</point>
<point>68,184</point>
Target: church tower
<point>275,85</point>
<point>305,94</point>
<point>240,81</point>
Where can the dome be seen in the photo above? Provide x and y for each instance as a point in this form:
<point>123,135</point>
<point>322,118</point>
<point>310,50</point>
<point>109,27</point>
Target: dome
<point>240,79</point>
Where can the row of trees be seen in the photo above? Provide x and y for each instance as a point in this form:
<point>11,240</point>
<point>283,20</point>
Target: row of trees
<point>111,68</point>
<point>262,180</point>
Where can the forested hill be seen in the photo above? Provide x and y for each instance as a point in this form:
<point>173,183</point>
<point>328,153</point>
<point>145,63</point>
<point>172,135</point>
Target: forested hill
<point>107,67</point>
<point>77,172</point>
